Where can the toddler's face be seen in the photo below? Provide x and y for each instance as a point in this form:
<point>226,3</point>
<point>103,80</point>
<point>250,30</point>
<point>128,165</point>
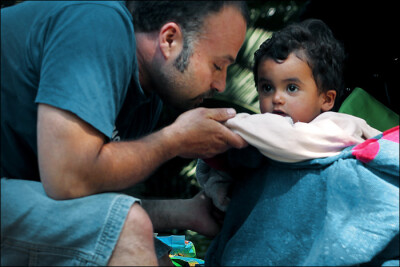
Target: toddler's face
<point>288,88</point>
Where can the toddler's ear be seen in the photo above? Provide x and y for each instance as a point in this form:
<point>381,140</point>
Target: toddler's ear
<point>328,100</point>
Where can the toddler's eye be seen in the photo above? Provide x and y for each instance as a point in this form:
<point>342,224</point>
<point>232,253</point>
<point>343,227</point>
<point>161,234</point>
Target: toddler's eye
<point>266,88</point>
<point>292,88</point>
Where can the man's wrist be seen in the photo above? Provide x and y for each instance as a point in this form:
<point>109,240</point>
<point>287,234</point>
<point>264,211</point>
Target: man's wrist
<point>172,141</point>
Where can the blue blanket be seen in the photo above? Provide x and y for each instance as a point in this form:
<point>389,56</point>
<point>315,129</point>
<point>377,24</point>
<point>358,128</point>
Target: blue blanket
<point>341,210</point>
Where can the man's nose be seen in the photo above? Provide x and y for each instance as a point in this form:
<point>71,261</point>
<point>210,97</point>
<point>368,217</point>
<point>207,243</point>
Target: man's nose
<point>219,82</point>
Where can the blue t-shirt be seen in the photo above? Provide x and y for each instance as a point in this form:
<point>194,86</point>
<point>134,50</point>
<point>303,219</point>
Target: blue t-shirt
<point>79,56</point>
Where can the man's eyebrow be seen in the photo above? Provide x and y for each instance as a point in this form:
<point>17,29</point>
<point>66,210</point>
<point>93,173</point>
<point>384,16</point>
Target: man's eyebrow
<point>230,59</point>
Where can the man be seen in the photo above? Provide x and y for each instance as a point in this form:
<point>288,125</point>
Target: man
<point>75,79</point>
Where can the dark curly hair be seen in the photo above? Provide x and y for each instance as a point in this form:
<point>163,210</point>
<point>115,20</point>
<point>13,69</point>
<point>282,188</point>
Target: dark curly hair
<point>312,41</point>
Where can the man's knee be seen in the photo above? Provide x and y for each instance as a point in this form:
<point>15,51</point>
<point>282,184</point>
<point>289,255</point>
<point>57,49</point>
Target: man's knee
<point>135,245</point>
<point>139,221</point>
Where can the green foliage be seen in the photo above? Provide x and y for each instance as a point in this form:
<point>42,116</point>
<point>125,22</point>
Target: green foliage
<point>240,86</point>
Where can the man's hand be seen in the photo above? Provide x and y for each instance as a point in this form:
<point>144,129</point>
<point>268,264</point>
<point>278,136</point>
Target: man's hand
<point>197,214</point>
<point>207,218</point>
<point>202,135</point>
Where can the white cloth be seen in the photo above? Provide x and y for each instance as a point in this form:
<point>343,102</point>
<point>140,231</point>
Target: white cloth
<point>280,139</point>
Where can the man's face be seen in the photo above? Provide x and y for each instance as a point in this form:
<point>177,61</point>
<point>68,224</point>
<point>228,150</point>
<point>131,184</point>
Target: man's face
<point>213,52</point>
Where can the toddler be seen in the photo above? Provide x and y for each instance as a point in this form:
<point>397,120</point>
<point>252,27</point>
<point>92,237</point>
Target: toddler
<point>298,76</point>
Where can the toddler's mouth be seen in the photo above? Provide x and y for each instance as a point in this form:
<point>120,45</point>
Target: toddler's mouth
<point>279,112</point>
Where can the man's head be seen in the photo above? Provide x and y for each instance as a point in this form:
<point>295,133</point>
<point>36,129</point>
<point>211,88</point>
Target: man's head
<point>195,43</point>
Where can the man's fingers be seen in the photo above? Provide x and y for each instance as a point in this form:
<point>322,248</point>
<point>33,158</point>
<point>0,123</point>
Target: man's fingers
<point>204,135</point>
<point>221,114</point>
<point>234,139</point>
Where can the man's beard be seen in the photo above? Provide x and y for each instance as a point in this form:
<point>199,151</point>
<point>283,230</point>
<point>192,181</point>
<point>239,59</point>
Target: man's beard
<point>168,79</point>
<point>182,61</point>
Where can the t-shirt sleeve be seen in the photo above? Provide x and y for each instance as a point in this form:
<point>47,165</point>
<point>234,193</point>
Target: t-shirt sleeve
<point>87,60</point>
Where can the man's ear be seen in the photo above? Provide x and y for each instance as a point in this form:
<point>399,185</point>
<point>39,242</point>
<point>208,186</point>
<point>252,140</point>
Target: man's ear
<point>328,100</point>
<point>171,40</point>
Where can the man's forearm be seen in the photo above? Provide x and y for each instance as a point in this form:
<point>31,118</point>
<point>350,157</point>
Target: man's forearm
<point>123,164</point>
<point>75,161</point>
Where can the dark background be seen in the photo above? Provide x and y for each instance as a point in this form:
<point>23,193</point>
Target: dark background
<point>369,31</point>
